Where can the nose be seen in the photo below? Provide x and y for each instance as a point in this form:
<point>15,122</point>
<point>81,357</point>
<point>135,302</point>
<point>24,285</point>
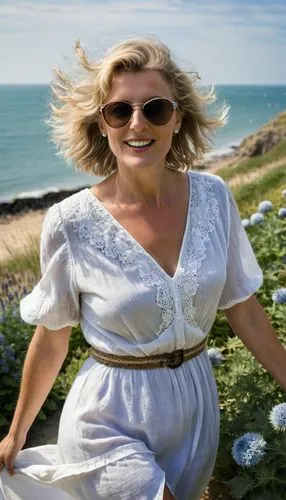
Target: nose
<point>138,120</point>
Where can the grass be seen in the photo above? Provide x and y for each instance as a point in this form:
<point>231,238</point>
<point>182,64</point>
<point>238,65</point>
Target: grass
<point>254,163</point>
<point>271,183</point>
<point>21,264</point>
<point>25,268</point>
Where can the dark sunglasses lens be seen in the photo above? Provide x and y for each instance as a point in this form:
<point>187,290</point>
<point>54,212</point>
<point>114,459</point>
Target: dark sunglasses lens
<point>117,114</point>
<point>158,111</point>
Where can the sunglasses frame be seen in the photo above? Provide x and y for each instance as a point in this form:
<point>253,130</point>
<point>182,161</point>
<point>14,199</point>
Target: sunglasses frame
<point>141,105</point>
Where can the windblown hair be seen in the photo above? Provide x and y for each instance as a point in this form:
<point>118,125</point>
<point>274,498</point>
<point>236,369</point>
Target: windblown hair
<point>75,107</point>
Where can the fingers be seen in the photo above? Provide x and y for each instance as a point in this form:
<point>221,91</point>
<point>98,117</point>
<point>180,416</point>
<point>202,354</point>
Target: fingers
<point>9,465</point>
<point>10,468</point>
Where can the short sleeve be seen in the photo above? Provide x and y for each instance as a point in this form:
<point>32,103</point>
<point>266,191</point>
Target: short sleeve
<point>54,301</point>
<point>243,274</point>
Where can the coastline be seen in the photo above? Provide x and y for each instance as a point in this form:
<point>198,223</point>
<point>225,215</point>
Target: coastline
<point>21,219</point>
<point>25,204</point>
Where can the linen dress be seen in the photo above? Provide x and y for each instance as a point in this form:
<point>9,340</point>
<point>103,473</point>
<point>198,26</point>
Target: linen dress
<point>125,433</point>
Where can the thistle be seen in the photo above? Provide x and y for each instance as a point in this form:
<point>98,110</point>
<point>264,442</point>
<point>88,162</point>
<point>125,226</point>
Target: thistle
<point>249,449</point>
<point>279,296</point>
<point>265,206</point>
<point>282,212</point>
<point>245,222</point>
<point>277,417</point>
<point>256,218</point>
<point>215,356</point>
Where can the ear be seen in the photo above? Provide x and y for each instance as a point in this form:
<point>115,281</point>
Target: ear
<point>101,126</point>
<point>178,121</point>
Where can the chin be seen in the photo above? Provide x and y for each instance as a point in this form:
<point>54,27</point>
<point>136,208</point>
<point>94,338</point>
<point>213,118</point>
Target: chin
<point>135,162</point>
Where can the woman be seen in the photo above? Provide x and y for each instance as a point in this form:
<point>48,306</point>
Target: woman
<point>143,261</point>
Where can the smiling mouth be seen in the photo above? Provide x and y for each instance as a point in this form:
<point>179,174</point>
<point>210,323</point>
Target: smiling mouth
<point>139,144</point>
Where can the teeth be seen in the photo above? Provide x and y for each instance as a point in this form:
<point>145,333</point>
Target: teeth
<point>138,144</point>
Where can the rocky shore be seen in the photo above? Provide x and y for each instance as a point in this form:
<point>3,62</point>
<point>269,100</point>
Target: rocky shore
<point>24,205</point>
<point>256,144</point>
<point>21,219</point>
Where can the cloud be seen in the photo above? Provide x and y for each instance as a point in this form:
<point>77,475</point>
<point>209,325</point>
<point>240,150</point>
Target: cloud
<point>203,34</point>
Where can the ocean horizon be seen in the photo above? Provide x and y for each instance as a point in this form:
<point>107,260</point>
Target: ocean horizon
<point>29,166</point>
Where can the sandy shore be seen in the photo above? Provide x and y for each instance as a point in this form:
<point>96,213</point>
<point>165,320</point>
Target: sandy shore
<point>18,231</point>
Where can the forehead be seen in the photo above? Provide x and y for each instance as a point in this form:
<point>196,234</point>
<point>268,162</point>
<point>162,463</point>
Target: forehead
<point>139,86</point>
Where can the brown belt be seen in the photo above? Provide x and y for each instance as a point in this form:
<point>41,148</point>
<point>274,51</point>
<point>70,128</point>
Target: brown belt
<point>168,360</point>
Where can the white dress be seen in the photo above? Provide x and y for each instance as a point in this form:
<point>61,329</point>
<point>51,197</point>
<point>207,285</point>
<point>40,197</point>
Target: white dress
<point>124,433</point>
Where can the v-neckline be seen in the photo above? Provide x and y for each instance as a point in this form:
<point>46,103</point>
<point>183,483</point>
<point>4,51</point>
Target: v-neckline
<point>136,243</point>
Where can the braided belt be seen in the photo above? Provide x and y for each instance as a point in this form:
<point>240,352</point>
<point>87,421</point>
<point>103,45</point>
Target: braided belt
<point>168,360</point>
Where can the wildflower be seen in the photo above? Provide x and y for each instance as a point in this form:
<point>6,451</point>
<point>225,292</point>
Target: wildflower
<point>256,218</point>
<point>9,353</point>
<point>1,339</point>
<point>282,212</point>
<point>4,368</point>
<point>248,449</point>
<point>279,296</point>
<point>278,417</point>
<point>245,222</point>
<point>215,356</point>
<point>265,206</point>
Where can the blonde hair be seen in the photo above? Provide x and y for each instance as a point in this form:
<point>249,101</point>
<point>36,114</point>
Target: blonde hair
<point>75,108</point>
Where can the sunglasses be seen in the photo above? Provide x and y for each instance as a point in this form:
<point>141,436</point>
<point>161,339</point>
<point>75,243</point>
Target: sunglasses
<point>157,111</point>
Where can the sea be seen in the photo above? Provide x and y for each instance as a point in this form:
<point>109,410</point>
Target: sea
<point>30,167</point>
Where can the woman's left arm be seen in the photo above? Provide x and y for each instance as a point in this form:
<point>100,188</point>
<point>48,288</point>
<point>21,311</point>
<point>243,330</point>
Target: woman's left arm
<point>250,323</point>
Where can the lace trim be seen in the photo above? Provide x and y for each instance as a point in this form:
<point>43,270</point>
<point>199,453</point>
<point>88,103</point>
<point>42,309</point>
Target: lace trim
<point>104,233</point>
<point>202,224</point>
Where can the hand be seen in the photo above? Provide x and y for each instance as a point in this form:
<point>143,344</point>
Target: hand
<point>9,448</point>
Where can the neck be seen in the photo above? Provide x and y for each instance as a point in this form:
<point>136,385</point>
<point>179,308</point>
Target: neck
<point>150,187</point>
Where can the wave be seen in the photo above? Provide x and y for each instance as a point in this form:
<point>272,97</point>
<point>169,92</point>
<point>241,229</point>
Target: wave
<point>222,151</point>
<point>39,193</point>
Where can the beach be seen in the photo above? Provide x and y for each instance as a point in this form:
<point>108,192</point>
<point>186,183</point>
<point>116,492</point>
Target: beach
<point>21,220</point>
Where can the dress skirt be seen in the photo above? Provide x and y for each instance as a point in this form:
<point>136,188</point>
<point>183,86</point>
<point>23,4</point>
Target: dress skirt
<point>124,434</point>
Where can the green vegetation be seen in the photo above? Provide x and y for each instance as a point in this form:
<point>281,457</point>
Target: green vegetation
<point>250,164</point>
<point>247,392</point>
<point>249,195</point>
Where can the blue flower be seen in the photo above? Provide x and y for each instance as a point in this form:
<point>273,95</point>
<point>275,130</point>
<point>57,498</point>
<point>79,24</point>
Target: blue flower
<point>1,339</point>
<point>248,449</point>
<point>215,356</point>
<point>279,296</point>
<point>9,353</point>
<point>256,218</point>
<point>265,206</point>
<point>278,417</point>
<point>245,222</point>
<point>282,212</point>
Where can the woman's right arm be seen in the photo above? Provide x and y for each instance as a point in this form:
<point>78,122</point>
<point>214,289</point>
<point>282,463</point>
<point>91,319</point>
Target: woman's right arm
<point>45,356</point>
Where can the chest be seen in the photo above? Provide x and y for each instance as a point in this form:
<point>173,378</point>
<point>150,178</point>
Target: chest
<point>160,232</point>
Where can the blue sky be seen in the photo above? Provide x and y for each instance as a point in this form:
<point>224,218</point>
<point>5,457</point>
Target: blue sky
<point>226,41</point>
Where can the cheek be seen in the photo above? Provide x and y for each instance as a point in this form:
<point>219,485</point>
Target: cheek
<point>114,143</point>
